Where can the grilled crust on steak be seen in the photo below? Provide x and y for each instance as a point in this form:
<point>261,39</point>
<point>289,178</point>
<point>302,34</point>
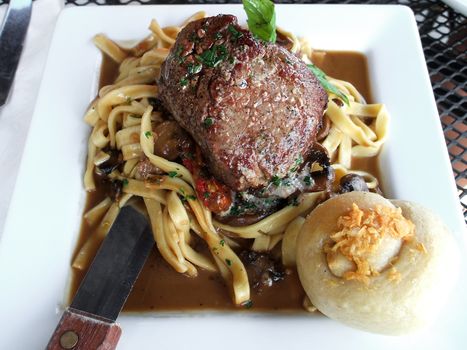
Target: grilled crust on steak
<point>254,108</point>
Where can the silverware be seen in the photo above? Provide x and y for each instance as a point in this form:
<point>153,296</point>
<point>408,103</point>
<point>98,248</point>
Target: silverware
<point>89,322</point>
<point>12,35</point>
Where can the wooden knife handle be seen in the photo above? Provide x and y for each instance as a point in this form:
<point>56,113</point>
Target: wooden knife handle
<point>83,331</point>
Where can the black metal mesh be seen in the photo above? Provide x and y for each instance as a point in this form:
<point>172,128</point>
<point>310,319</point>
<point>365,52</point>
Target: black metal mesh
<point>443,33</point>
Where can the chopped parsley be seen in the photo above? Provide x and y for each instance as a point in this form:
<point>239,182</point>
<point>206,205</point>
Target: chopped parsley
<point>235,33</point>
<point>214,56</point>
<point>297,162</point>
<point>242,206</point>
<point>235,211</point>
<point>206,194</point>
<point>194,68</point>
<point>229,262</point>
<point>307,180</point>
<point>128,100</point>
<point>184,81</point>
<point>184,196</point>
<point>125,182</point>
<point>218,36</point>
<point>148,134</point>
<point>172,173</point>
<point>276,180</point>
<point>208,122</point>
<point>222,242</point>
<point>178,54</point>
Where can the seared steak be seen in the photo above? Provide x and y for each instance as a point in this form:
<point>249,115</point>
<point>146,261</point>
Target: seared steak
<point>253,107</point>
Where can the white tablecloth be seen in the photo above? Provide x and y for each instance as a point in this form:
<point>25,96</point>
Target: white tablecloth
<point>15,115</point>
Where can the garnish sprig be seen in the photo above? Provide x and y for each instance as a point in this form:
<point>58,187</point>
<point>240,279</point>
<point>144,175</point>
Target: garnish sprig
<point>261,19</point>
<point>326,84</point>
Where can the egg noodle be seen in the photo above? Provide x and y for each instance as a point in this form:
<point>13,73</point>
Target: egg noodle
<point>121,117</point>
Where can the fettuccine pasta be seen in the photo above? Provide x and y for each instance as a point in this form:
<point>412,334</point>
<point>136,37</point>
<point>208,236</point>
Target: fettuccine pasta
<point>122,120</point>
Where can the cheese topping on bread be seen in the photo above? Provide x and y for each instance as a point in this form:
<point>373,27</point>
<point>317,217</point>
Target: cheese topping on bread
<point>362,232</point>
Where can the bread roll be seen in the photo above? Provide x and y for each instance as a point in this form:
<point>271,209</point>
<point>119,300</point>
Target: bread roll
<point>410,277</point>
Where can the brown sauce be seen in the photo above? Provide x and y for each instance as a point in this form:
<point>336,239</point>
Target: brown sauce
<point>160,288</point>
<point>109,71</point>
<point>346,65</point>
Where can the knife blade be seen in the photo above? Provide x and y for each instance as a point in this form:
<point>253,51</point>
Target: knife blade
<point>89,322</point>
<point>12,34</point>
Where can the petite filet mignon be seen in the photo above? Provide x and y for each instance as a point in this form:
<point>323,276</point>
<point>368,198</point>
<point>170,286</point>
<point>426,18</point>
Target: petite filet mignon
<point>253,107</point>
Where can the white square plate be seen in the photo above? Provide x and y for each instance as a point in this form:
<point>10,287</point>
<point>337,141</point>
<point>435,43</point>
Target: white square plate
<point>44,216</point>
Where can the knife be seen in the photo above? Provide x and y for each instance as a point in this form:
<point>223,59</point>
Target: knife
<point>12,34</point>
<point>89,322</point>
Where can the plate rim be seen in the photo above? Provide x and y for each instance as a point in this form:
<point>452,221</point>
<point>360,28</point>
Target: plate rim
<point>35,117</point>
